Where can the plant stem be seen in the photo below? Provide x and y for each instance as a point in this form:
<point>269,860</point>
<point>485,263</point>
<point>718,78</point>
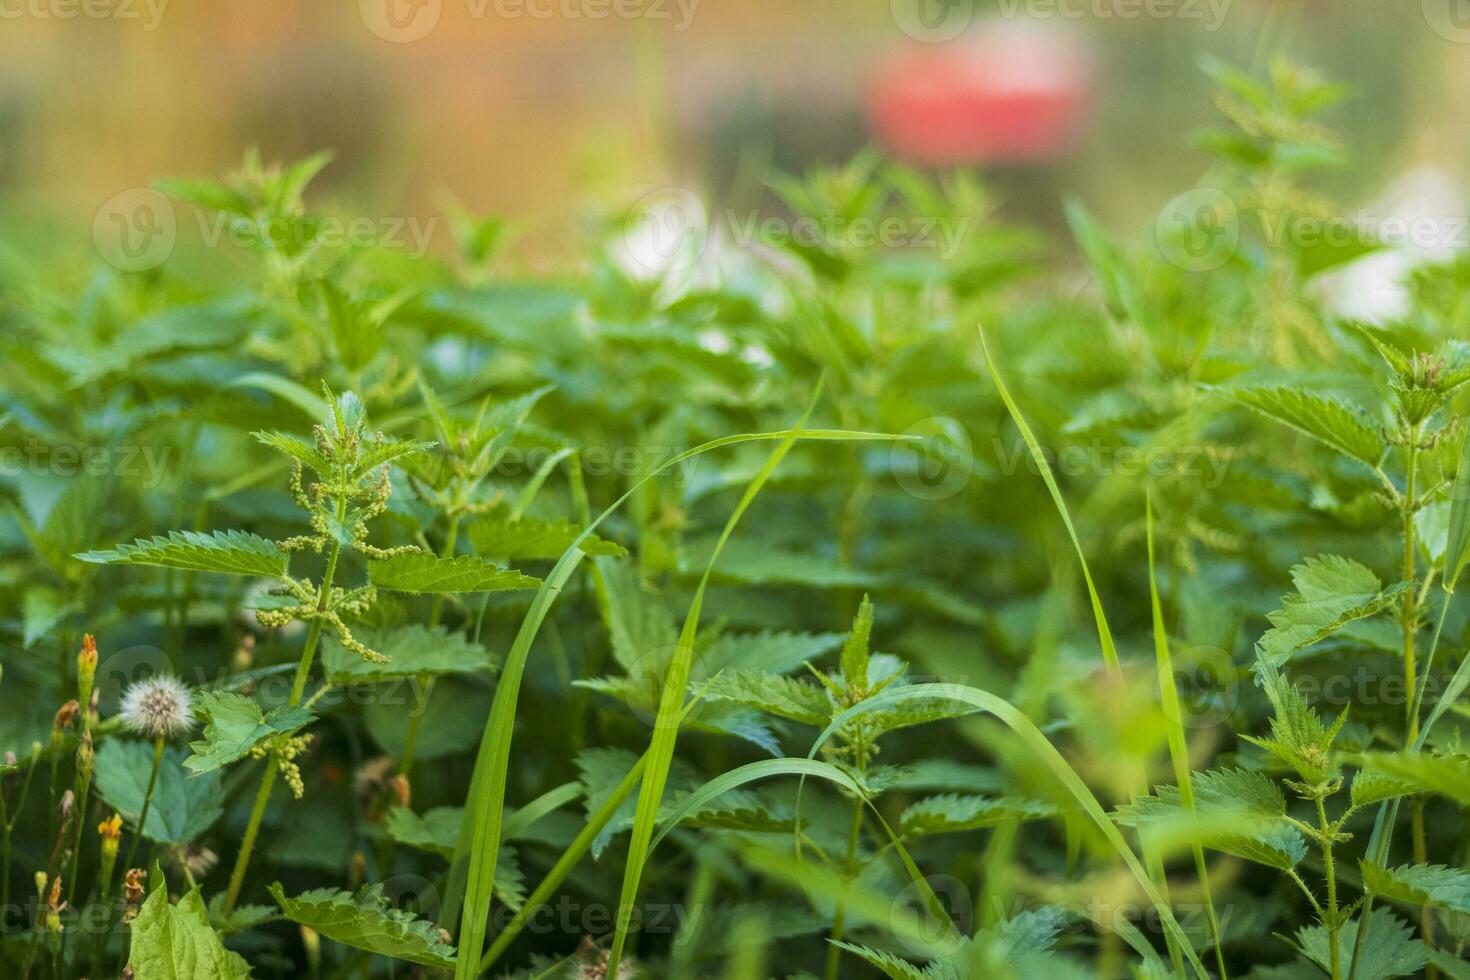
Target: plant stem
<point>839,917</point>
<point>298,689</point>
<point>426,690</point>
<point>1411,599</point>
<point>1332,923</point>
<point>262,797</point>
<point>147,802</point>
<point>1421,856</point>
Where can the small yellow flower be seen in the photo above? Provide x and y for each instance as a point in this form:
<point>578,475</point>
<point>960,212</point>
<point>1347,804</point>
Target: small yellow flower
<point>111,828</point>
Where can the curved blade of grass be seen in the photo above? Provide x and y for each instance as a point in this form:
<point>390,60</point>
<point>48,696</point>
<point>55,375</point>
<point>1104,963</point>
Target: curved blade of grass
<point>1178,745</point>
<point>671,703</point>
<point>553,799</point>
<point>1104,634</point>
<point>866,904</point>
<point>569,859</point>
<point>467,894</point>
<point>1037,742</point>
<point>766,768</point>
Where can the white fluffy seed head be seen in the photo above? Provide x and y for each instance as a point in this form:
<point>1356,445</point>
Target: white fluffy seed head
<point>158,707</point>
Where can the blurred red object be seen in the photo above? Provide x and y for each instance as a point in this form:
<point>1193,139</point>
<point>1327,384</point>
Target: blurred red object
<point>1001,93</point>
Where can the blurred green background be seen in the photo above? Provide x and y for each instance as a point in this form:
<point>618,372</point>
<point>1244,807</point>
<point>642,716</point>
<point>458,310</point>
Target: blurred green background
<point>542,110</point>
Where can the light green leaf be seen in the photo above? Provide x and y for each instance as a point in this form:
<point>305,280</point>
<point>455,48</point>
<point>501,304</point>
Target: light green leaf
<point>1322,418</point>
<point>234,724</point>
<point>774,694</point>
<point>952,812</point>
<point>1330,593</point>
<point>531,537</point>
<point>1389,949</point>
<point>367,921</point>
<point>175,942</point>
<point>421,572</point>
<point>1420,884</point>
<point>183,806</point>
<point>1446,775</point>
<point>412,651</point>
<point>42,607</point>
<point>854,658</point>
<point>1235,811</point>
<point>232,552</point>
<point>1457,541</point>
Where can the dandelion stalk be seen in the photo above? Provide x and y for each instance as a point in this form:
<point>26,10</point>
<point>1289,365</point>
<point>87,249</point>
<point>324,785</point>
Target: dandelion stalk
<point>143,813</point>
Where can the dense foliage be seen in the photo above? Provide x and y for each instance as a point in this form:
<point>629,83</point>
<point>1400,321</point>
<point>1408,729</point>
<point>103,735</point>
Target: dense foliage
<point>838,605</point>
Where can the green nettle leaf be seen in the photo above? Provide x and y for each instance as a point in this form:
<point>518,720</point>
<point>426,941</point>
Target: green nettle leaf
<point>531,537</point>
<point>183,806</point>
<point>951,812</point>
<point>1420,884</point>
<point>1372,785</point>
<point>1330,593</point>
<point>368,921</point>
<point>412,651</point>
<point>855,649</point>
<point>421,572</point>
<point>234,724</point>
<point>774,694</point>
<point>231,552</point>
<point>42,607</point>
<point>175,942</point>
<point>1388,950</point>
<point>769,651</point>
<point>1236,811</point>
<point>436,831</point>
<point>1457,541</point>
<point>1446,775</point>
<point>1322,418</point>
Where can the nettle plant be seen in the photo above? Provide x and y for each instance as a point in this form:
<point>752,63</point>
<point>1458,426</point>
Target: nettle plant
<point>351,488</point>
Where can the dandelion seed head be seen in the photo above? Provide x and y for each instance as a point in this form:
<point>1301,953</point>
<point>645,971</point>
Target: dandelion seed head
<point>158,707</point>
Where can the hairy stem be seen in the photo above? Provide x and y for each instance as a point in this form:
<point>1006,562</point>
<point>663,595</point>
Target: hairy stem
<point>1332,922</point>
<point>298,689</point>
<point>147,802</point>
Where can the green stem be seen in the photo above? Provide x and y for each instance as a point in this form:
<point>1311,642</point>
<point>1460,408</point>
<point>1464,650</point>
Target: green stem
<point>298,689</point>
<point>839,917</point>
<point>147,802</point>
<point>421,706</point>
<point>262,797</point>
<point>1332,923</point>
<point>1411,604</point>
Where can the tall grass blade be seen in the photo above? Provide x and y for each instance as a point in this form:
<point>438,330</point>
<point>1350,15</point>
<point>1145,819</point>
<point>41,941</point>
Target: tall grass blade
<point>671,703</point>
<point>1178,745</point>
<point>1104,634</point>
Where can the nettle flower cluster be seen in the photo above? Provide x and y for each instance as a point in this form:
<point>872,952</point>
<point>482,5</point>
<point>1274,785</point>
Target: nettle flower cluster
<point>351,489</point>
